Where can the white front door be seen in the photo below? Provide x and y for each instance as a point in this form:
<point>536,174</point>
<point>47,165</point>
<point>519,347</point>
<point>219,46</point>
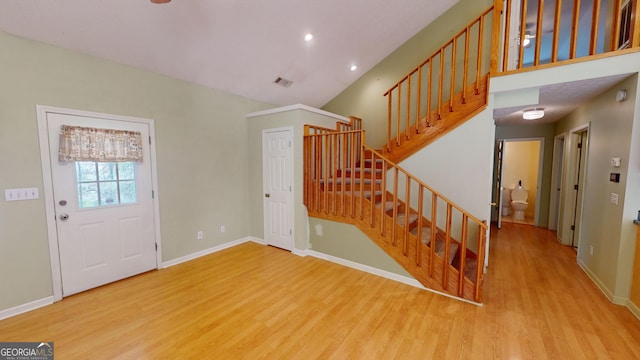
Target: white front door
<point>104,210</point>
<point>277,175</point>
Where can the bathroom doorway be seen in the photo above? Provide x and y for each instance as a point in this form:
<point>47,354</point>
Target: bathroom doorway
<point>522,160</point>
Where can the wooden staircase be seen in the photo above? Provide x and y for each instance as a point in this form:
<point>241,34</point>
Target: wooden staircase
<point>436,241</point>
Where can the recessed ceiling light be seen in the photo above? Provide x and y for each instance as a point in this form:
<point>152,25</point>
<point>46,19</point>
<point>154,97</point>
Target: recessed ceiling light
<point>308,37</point>
<point>533,114</point>
<point>353,67</point>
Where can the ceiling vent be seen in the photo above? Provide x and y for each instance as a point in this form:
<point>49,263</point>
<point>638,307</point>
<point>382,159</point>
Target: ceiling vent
<point>283,82</point>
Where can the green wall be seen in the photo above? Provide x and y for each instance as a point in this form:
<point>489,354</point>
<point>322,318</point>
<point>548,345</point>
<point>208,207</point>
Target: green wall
<point>201,142</point>
<point>614,130</point>
<point>364,98</point>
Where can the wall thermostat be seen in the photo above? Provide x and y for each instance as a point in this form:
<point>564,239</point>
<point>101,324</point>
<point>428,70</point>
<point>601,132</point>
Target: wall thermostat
<point>614,177</point>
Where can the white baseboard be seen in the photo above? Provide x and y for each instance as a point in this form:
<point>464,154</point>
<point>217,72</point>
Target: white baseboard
<point>17,310</point>
<point>635,310</point>
<point>618,300</point>
<point>208,251</point>
<point>382,273</point>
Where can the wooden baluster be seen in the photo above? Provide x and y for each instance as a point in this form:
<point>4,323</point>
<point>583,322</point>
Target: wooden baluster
<point>523,26</point>
<point>536,57</point>
<point>463,254</point>
<point>407,207</point>
<point>452,90</point>
<point>373,201</point>
<point>389,121</point>
<point>361,162</point>
<point>420,225</point>
<point>395,206</point>
<point>494,52</point>
<point>481,254</point>
<point>432,245</point>
<point>334,172</point>
<point>407,133</point>
<point>556,32</point>
<point>447,250</point>
<point>399,107</point>
<point>615,25</point>
<point>327,174</point>
<point>465,73</point>
<point>479,56</point>
<point>318,172</point>
<point>383,218</point>
<point>343,167</point>
<point>634,41</point>
<point>419,99</point>
<point>507,32</point>
<point>574,29</point>
<point>430,86</point>
<point>305,152</point>
<point>440,83</point>
<point>594,27</point>
<point>354,150</point>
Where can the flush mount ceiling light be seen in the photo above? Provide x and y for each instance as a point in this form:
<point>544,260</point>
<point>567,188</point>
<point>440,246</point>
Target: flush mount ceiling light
<point>353,67</point>
<point>533,114</point>
<point>308,37</point>
<point>160,1</point>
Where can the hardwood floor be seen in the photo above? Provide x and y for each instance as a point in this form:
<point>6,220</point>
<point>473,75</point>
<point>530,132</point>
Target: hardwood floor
<point>258,302</point>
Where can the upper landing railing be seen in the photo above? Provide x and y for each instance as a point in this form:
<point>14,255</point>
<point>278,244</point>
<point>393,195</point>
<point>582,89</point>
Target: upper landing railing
<point>539,32</point>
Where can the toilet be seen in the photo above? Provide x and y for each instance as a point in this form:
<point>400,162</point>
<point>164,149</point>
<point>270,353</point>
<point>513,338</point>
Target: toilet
<point>519,202</point>
<point>506,201</point>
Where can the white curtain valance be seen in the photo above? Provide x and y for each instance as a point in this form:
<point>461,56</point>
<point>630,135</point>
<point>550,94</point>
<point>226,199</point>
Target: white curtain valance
<point>90,144</point>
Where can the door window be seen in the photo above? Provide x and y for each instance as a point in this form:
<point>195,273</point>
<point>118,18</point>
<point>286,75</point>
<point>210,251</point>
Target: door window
<point>105,183</point>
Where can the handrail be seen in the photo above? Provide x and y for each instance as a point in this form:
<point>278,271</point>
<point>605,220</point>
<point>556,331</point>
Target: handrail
<point>428,91</point>
<point>376,193</point>
<point>585,37</point>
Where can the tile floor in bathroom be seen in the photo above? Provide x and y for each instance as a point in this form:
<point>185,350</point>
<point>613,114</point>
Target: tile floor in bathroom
<point>527,220</point>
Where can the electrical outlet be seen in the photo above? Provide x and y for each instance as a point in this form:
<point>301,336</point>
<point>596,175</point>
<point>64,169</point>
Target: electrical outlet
<point>200,235</point>
<point>591,250</point>
<point>222,228</point>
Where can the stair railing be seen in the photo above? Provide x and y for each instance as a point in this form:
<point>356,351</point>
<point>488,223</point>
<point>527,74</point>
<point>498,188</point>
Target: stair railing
<point>427,92</point>
<point>394,206</point>
<point>583,27</point>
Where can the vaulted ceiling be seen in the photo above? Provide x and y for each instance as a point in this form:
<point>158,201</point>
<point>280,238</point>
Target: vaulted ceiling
<point>239,46</point>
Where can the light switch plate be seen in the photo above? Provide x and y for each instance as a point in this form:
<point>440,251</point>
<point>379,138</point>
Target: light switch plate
<point>615,162</point>
<point>614,198</point>
<point>21,194</point>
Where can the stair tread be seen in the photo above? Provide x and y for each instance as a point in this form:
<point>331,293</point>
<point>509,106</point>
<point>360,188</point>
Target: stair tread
<point>388,206</point>
<point>367,193</point>
<point>401,217</point>
<point>426,239</point>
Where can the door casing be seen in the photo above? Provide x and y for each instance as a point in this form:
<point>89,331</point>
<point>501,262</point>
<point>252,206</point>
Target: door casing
<point>43,135</point>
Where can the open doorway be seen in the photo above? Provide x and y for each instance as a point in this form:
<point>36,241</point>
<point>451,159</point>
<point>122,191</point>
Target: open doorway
<point>520,180</point>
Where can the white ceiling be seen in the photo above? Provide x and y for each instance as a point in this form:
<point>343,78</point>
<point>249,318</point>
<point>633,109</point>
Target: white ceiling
<point>558,100</point>
<point>239,46</point>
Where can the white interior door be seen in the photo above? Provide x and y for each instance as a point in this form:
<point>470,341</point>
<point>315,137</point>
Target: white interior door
<point>104,211</point>
<point>277,175</point>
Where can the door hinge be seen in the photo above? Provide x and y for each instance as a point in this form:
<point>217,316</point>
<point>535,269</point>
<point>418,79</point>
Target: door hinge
<point>289,143</point>
<point>289,188</point>
<point>149,140</point>
<point>290,232</point>
<point>575,187</point>
<point>573,227</point>
<point>153,194</point>
<point>156,246</point>
<point>579,145</point>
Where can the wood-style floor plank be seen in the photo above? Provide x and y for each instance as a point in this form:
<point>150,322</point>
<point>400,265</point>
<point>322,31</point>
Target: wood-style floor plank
<point>258,302</point>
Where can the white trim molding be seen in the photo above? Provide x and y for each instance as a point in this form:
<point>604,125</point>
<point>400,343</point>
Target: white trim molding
<point>208,251</point>
<point>20,309</point>
<point>382,273</point>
